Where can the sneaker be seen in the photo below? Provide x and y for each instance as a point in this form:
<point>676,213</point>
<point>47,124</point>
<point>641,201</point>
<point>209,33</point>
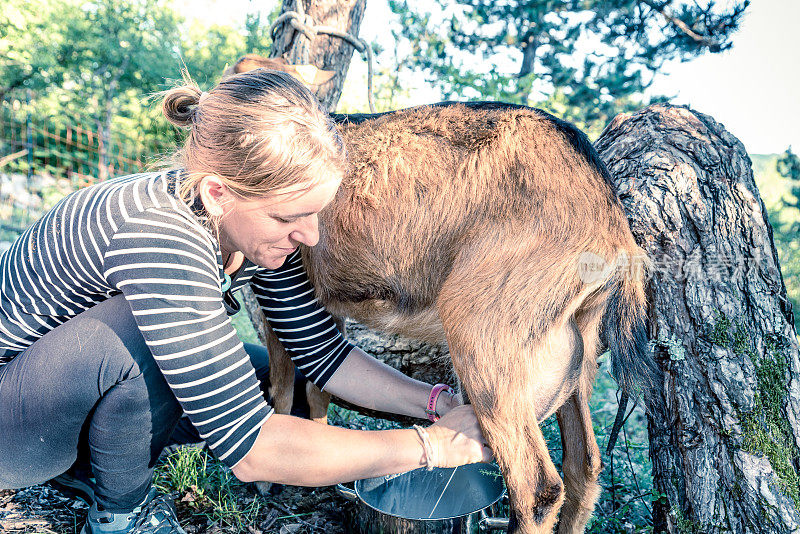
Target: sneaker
<point>156,515</point>
<point>76,484</point>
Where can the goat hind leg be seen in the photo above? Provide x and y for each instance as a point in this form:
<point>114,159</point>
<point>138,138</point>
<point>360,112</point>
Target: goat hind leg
<point>581,464</point>
<point>513,386</point>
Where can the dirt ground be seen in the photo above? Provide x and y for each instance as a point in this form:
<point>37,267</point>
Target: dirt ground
<point>285,510</point>
<point>294,510</point>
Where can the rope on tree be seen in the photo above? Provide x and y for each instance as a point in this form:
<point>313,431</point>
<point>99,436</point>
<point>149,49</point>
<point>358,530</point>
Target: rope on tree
<point>303,23</point>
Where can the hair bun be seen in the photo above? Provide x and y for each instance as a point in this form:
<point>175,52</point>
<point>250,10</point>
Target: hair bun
<point>180,103</point>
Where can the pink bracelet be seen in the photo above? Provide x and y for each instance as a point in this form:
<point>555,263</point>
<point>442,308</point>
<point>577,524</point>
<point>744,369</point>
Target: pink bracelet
<point>434,396</point>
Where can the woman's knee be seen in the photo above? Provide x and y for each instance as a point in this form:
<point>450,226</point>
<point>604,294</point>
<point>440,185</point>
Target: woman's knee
<point>96,365</point>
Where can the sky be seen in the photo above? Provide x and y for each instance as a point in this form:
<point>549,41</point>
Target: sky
<point>753,88</point>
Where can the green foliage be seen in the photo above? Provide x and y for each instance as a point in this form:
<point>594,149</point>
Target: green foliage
<point>257,37</point>
<point>106,61</point>
<point>112,54</point>
<point>24,62</point>
<point>777,191</point>
<point>104,58</point>
<point>585,61</point>
<point>788,166</point>
<point>207,51</point>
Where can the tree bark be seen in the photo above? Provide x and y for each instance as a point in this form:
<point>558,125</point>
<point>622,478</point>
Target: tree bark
<point>429,363</point>
<point>725,428</point>
<point>325,52</point>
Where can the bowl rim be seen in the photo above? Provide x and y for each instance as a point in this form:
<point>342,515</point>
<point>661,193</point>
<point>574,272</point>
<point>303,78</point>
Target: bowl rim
<point>487,466</point>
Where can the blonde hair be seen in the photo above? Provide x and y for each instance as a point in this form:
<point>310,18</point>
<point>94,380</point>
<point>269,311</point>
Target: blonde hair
<point>259,131</point>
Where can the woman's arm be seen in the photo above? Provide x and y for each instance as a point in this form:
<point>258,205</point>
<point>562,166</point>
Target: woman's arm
<point>365,381</point>
<point>291,450</point>
<point>322,354</point>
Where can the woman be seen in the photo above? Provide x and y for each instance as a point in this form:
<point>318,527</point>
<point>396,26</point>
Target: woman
<point>114,318</point>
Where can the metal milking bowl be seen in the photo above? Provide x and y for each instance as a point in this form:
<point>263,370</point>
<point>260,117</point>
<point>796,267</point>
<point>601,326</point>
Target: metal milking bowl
<point>462,499</point>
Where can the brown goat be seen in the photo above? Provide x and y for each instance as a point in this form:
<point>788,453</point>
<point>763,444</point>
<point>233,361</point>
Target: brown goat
<point>496,228</point>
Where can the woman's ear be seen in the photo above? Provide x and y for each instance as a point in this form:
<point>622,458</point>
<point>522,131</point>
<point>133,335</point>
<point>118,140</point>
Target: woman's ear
<point>214,194</point>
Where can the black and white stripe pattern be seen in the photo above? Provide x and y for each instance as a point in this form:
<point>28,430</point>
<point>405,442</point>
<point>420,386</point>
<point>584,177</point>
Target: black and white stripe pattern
<point>133,235</point>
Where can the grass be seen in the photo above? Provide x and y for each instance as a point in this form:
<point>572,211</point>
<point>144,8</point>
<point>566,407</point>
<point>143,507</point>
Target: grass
<point>625,504</point>
<point>207,489</point>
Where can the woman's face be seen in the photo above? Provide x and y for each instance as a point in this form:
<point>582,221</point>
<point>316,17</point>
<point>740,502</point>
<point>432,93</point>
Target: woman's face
<point>267,230</point>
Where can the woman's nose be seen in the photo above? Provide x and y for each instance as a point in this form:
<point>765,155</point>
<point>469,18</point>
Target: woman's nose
<point>307,231</point>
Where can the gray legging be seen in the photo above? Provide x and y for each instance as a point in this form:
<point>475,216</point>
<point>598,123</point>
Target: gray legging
<point>90,382</point>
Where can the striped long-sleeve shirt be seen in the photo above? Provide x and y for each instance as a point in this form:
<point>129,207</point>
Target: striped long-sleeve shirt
<point>133,235</point>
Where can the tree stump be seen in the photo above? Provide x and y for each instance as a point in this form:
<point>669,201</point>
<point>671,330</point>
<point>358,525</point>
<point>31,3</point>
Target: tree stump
<point>325,52</point>
<point>724,429</point>
<point>429,363</point>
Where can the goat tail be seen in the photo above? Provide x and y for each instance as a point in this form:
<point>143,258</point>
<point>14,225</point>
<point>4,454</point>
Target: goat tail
<point>624,325</point>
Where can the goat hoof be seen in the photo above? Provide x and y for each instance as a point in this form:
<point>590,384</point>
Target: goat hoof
<point>265,489</point>
<point>513,523</point>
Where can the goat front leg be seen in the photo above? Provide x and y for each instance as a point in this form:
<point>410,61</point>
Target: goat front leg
<point>318,400</point>
<point>281,373</point>
<point>282,379</point>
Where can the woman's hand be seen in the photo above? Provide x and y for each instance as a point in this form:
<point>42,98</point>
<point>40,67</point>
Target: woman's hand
<point>447,402</point>
<point>456,439</point>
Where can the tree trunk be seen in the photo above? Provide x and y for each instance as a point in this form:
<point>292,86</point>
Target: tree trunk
<point>104,126</point>
<point>326,52</point>
<point>725,428</point>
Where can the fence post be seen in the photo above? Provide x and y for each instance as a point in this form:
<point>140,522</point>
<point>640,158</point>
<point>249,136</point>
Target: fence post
<point>29,133</point>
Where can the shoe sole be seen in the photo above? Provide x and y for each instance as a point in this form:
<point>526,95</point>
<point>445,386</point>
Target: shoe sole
<point>74,488</point>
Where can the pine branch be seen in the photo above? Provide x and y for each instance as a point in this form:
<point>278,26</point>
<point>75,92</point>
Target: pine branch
<point>713,44</point>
